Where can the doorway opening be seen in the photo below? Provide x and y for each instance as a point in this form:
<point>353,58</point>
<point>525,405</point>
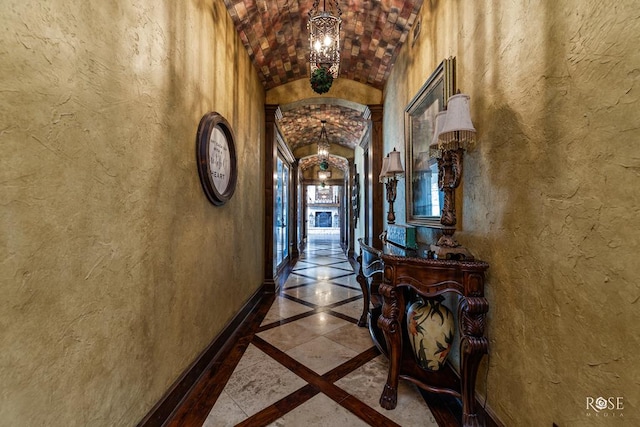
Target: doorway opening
<point>324,211</point>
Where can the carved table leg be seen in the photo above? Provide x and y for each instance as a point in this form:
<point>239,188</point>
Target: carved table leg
<point>389,322</point>
<point>365,294</point>
<point>473,347</point>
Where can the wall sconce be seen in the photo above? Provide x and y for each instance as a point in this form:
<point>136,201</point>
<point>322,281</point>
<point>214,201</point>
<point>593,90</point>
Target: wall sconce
<point>454,132</point>
<point>389,174</point>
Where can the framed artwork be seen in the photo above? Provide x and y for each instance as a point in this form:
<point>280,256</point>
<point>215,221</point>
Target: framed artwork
<point>423,197</point>
<point>216,158</point>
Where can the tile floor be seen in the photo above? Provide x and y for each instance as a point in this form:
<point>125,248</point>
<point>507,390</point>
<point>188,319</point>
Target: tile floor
<point>309,364</point>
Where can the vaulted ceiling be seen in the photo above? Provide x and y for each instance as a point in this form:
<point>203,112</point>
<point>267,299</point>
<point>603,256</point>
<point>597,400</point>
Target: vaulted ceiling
<point>275,34</point>
<point>345,126</point>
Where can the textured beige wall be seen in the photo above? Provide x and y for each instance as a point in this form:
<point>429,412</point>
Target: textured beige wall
<point>343,88</point>
<point>116,271</point>
<point>551,194</point>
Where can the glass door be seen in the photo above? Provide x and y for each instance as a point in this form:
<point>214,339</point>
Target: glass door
<point>281,214</point>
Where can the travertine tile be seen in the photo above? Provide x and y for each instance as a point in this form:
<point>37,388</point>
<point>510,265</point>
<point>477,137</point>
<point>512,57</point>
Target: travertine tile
<point>283,308</point>
<point>346,266</point>
<point>367,383</point>
<point>261,385</point>
<point>352,309</point>
<point>319,411</point>
<point>323,293</point>
<point>288,335</point>
<point>251,357</point>
<point>301,265</point>
<point>225,413</point>
<point>321,323</point>
<point>350,281</point>
<point>352,336</point>
<point>322,272</point>
<point>321,354</point>
<point>321,342</point>
<point>295,279</point>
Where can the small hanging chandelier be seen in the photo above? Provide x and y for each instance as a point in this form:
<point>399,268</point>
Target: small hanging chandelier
<point>324,36</point>
<point>323,148</point>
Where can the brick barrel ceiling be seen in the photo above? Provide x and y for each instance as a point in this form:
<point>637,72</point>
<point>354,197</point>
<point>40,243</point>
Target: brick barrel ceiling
<point>275,34</point>
<point>302,126</point>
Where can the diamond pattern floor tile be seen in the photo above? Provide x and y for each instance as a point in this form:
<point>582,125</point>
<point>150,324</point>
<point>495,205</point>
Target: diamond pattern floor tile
<point>309,330</point>
<point>321,354</point>
<point>323,293</point>
<point>319,411</point>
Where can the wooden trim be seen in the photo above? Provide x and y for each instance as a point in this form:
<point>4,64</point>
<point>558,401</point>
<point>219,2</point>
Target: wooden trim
<point>491,417</point>
<point>162,411</point>
<point>376,190</point>
<point>283,147</point>
<point>270,156</point>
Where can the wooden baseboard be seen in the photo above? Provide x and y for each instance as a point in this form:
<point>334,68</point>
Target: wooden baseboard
<point>492,419</point>
<point>162,411</point>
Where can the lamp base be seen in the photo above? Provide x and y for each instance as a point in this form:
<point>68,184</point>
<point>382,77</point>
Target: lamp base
<point>448,248</point>
<point>451,252</point>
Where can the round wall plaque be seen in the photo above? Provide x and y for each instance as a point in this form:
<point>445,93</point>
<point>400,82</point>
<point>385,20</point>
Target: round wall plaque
<point>216,157</point>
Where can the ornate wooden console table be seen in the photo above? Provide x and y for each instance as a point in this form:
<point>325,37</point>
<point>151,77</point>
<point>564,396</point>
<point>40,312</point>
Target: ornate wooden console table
<point>386,276</point>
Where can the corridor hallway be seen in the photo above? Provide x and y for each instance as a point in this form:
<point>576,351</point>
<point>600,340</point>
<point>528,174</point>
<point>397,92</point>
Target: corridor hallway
<point>305,362</point>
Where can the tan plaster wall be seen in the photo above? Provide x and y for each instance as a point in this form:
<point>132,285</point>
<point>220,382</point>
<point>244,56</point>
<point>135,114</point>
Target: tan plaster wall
<point>550,194</point>
<point>311,174</point>
<point>116,272</point>
<point>342,88</point>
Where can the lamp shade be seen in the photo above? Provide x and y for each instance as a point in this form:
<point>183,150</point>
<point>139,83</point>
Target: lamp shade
<point>435,150</point>
<point>395,165</point>
<point>384,169</point>
<point>458,129</point>
<point>441,117</point>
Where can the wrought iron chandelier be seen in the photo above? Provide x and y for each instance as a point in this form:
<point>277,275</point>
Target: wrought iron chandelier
<point>323,147</point>
<point>324,36</point>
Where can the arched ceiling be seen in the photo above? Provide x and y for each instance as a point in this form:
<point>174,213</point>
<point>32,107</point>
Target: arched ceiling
<point>275,34</point>
<point>345,126</point>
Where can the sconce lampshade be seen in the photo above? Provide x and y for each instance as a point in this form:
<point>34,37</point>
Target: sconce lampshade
<point>435,149</point>
<point>458,130</point>
<point>395,165</point>
<point>384,169</point>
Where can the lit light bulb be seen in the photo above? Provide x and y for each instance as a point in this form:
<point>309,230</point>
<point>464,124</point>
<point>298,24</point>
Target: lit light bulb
<point>327,41</point>
<point>317,45</point>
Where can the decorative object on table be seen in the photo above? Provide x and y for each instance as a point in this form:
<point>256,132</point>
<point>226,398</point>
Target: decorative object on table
<point>321,80</point>
<point>431,326</point>
<point>390,172</point>
<point>423,198</point>
<point>447,146</point>
<point>402,235</point>
<point>216,158</point>
<point>324,44</point>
